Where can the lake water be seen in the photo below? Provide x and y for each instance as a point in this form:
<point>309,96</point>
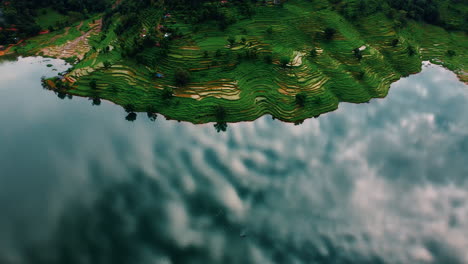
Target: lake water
<point>385,182</point>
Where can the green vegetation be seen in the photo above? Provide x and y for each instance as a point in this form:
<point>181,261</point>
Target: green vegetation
<point>20,19</point>
<point>49,18</point>
<point>207,61</point>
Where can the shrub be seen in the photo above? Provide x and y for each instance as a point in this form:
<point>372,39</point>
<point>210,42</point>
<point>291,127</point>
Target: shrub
<point>129,108</point>
<point>182,77</point>
<point>268,59</point>
<point>220,113</point>
<point>220,126</point>
<point>360,75</point>
<point>114,89</point>
<point>167,93</point>
<point>284,61</point>
<point>151,113</point>
<point>93,84</point>
<point>96,101</point>
<point>329,33</point>
<point>107,64</point>
<point>231,40</point>
<point>317,100</point>
<point>313,53</point>
<point>411,50</point>
<point>131,117</point>
<point>451,53</point>
<point>357,53</point>
<point>301,99</point>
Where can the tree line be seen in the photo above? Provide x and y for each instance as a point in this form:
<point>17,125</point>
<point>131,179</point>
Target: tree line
<point>17,17</point>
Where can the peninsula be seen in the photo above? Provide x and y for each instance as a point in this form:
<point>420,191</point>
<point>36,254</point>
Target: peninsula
<point>236,60</point>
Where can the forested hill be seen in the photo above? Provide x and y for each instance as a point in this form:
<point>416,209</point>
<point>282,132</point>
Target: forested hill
<point>19,18</point>
<point>236,60</point>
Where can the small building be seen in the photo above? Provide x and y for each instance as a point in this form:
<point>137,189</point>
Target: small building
<point>159,75</point>
<point>2,47</point>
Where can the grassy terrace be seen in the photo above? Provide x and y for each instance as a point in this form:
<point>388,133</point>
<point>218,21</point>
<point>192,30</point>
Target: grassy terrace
<point>247,79</point>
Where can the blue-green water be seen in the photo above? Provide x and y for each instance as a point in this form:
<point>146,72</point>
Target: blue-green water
<point>385,182</point>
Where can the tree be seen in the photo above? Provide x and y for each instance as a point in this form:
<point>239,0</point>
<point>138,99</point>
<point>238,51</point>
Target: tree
<point>317,100</point>
<point>329,33</point>
<point>107,64</point>
<point>269,30</point>
<point>360,75</point>
<point>357,53</point>
<point>220,126</point>
<point>268,59</point>
<point>451,53</point>
<point>167,93</point>
<point>96,101</point>
<point>220,113</point>
<point>243,40</point>
<point>182,77</point>
<point>151,113</point>
<point>411,50</point>
<point>231,40</point>
<point>93,84</point>
<point>301,99</point>
<point>313,52</point>
<point>114,89</point>
<point>152,116</point>
<point>395,42</point>
<point>61,95</point>
<point>284,61</point>
<point>131,117</point>
<point>129,108</point>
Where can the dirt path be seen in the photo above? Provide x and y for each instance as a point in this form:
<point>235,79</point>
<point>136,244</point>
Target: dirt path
<point>7,50</point>
<point>53,39</point>
<point>79,26</point>
<point>77,47</point>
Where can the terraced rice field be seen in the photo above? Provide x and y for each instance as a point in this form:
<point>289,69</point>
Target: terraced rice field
<point>222,75</point>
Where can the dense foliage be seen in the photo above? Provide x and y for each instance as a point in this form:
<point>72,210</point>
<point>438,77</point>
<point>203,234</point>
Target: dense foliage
<point>17,18</point>
<point>451,14</point>
<point>235,60</point>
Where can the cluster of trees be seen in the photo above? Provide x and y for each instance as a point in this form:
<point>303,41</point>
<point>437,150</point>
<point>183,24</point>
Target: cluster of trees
<point>199,11</point>
<point>428,11</point>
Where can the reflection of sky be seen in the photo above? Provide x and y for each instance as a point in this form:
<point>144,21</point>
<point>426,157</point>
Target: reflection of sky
<point>375,183</point>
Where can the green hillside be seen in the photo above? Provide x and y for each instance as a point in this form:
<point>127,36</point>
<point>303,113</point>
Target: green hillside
<point>230,61</point>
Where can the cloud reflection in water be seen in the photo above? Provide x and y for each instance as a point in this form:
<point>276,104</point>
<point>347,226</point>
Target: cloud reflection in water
<point>377,183</point>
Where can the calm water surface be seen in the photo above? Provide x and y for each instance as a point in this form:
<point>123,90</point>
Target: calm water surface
<point>385,182</point>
